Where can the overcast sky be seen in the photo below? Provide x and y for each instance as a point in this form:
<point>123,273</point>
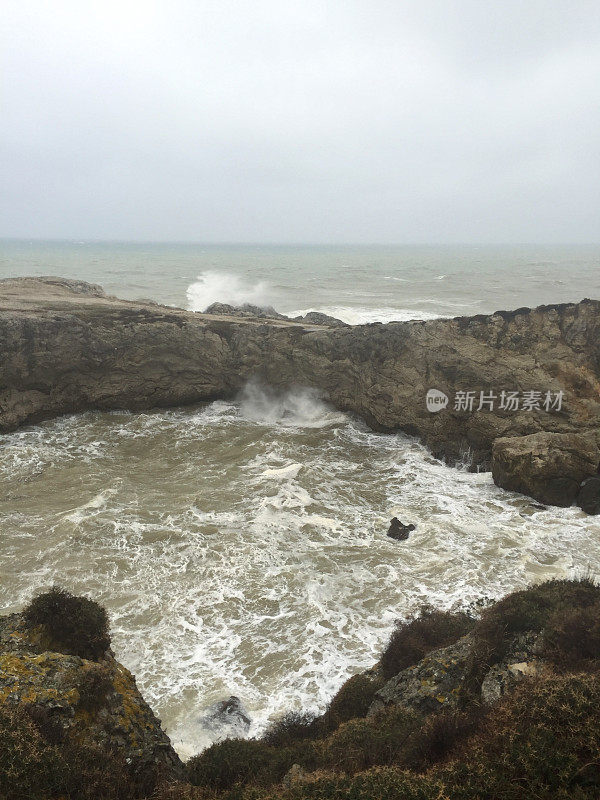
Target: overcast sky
<point>301,121</point>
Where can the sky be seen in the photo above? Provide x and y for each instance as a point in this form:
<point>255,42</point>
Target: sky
<point>300,121</point>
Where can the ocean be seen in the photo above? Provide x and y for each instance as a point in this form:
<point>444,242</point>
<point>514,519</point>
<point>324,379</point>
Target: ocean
<point>240,546</point>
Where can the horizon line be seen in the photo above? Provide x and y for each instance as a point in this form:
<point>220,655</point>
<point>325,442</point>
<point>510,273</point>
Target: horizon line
<point>268,243</point>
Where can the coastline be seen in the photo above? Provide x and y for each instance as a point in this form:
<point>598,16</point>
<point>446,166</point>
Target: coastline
<point>68,347</point>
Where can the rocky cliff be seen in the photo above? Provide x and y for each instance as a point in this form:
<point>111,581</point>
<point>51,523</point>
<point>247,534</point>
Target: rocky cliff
<point>67,347</point>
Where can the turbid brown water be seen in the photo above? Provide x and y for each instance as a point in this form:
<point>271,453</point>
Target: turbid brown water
<point>241,547</point>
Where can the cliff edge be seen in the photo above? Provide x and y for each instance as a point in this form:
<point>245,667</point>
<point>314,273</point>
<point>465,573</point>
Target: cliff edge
<point>67,347</point>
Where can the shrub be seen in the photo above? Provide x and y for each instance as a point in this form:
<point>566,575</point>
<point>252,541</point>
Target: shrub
<point>35,768</point>
<point>440,735</point>
<point>363,743</point>
<point>76,625</point>
<point>95,684</point>
<point>293,727</point>
<point>526,610</point>
<point>239,761</point>
<point>572,639</point>
<point>542,741</point>
<point>411,641</point>
<point>354,698</point>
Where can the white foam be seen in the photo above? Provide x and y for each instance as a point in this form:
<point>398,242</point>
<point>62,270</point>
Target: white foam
<point>301,407</point>
<point>359,315</point>
<point>241,547</point>
<point>220,287</point>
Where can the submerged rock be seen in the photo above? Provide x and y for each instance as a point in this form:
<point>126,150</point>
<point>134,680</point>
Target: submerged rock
<point>398,530</point>
<point>228,718</point>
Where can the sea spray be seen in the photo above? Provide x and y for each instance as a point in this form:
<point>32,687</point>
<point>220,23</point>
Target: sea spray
<point>220,287</point>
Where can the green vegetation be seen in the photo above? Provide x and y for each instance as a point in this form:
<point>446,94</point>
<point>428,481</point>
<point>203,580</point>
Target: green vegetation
<point>536,609</point>
<point>36,764</point>
<point>541,740</point>
<point>75,625</point>
<point>411,641</point>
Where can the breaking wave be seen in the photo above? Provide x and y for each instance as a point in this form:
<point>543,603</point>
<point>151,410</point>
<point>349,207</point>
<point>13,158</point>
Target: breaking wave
<point>221,287</point>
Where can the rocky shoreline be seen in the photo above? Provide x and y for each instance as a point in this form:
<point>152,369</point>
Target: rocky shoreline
<point>470,704</point>
<point>68,347</point>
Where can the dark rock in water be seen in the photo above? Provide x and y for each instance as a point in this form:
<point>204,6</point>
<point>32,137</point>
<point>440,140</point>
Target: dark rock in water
<point>227,717</point>
<point>588,498</point>
<point>398,530</point>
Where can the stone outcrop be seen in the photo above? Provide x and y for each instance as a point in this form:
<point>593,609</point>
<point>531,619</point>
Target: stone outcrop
<point>438,680</point>
<point>433,682</point>
<point>90,703</point>
<point>588,498</point>
<point>67,347</point>
<point>548,466</point>
<point>399,531</point>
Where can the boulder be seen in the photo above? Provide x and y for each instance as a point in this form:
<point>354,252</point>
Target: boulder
<point>431,684</point>
<point>398,530</point>
<point>89,703</point>
<point>520,661</point>
<point>588,498</point>
<point>317,318</point>
<point>245,310</point>
<point>549,467</point>
<point>227,718</point>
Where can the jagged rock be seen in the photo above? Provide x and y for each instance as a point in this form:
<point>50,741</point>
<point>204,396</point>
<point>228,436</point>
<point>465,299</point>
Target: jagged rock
<point>317,318</point>
<point>227,718</point>
<point>547,466</point>
<point>295,774</point>
<point>588,498</point>
<point>436,680</point>
<point>94,703</point>
<point>245,310</point>
<point>67,348</point>
<point>432,683</point>
<point>398,530</point>
<point>519,662</point>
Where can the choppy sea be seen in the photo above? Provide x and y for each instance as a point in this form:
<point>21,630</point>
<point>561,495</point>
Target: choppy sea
<point>240,546</point>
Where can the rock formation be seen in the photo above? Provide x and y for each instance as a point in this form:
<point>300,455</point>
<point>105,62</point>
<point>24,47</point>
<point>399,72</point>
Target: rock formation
<point>398,530</point>
<point>67,347</point>
<point>87,703</point>
<point>548,466</point>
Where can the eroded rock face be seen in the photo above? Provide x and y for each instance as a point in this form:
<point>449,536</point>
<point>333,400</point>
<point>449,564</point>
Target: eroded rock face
<point>549,467</point>
<point>65,348</point>
<point>432,683</point>
<point>588,498</point>
<point>437,680</point>
<point>93,703</point>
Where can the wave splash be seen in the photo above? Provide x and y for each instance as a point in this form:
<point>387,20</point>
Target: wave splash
<point>301,407</point>
<point>221,287</point>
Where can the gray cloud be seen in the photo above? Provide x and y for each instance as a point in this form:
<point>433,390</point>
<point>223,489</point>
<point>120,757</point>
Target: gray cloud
<point>301,121</point>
